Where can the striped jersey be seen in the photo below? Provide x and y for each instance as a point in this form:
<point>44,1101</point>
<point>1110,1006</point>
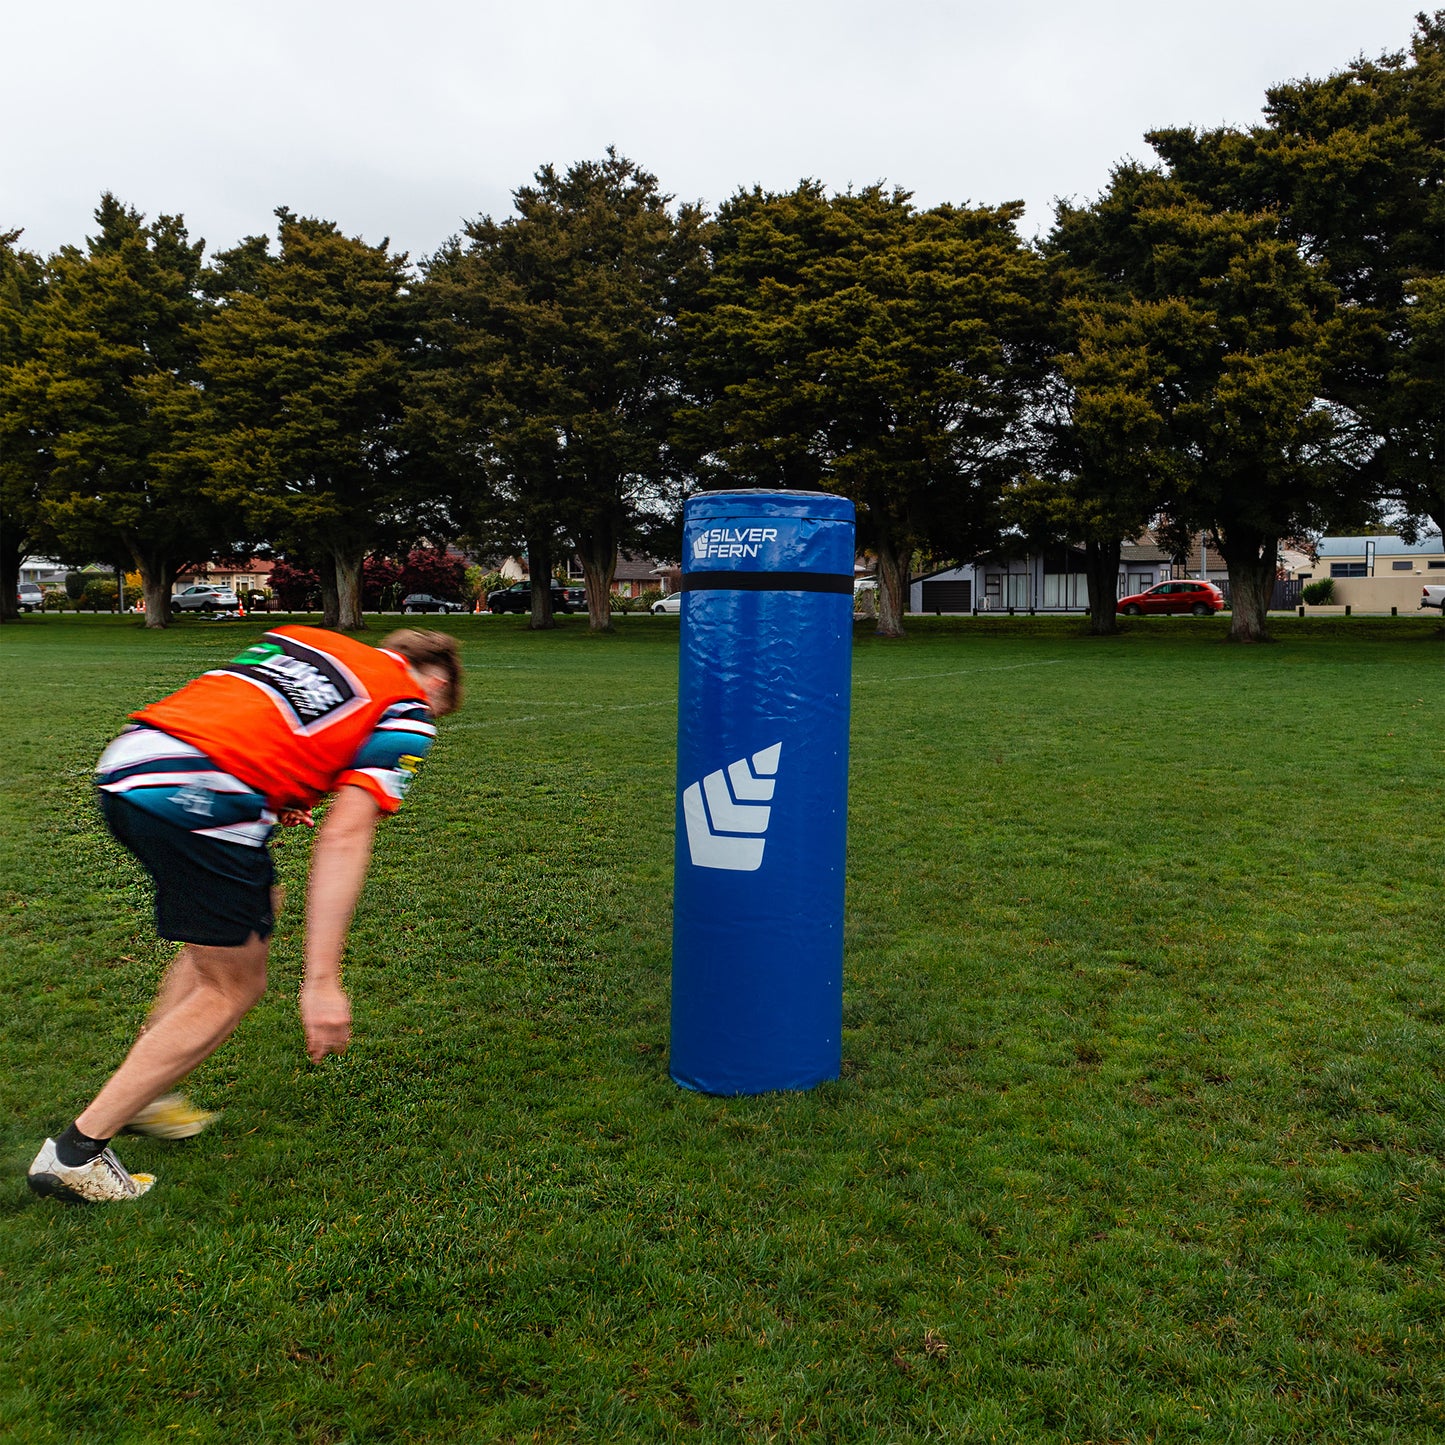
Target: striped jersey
<point>293,718</point>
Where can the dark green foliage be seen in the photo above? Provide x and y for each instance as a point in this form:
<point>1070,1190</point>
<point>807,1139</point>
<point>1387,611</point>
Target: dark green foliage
<point>1354,169</point>
<point>856,344</point>
<point>303,358</point>
<point>99,593</point>
<point>1320,593</point>
<point>1204,337</point>
<point>551,372</point>
<point>108,394</point>
<point>24,455</point>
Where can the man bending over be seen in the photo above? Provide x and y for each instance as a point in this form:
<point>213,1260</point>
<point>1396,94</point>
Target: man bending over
<point>194,789</point>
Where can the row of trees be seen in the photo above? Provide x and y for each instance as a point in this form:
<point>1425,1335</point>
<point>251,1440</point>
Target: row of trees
<point>1242,338</point>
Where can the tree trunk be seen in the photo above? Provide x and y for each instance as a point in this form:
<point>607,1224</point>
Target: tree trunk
<point>330,597</point>
<point>599,562</point>
<point>156,578</point>
<point>1101,569</point>
<point>892,588</point>
<point>346,567</point>
<point>539,565</point>
<point>1253,559</point>
<point>11,560</point>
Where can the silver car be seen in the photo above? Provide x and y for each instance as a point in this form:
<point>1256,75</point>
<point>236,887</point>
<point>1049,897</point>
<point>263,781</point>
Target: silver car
<point>29,597</point>
<point>202,598</point>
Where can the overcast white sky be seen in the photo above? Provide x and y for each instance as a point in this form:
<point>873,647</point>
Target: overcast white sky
<point>403,120</point>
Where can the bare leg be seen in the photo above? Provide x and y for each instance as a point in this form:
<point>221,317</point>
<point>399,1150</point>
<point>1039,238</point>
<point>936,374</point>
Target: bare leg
<point>181,978</point>
<point>206,993</point>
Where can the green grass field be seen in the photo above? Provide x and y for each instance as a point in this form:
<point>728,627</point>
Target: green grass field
<point>1139,1136</point>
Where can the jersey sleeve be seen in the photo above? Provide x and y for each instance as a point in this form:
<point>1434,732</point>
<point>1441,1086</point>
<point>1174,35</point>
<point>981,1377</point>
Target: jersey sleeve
<point>388,760</point>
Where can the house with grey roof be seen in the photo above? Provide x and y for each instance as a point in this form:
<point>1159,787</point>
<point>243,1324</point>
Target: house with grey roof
<point>1379,557</point>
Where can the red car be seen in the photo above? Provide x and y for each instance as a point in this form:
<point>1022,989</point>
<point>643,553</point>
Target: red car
<point>1203,599</point>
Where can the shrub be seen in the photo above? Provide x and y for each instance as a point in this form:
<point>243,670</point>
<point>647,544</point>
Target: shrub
<point>1319,594</point>
<point>434,570</point>
<point>75,585</point>
<point>379,589</point>
<point>298,589</point>
<point>649,596</point>
<point>100,593</point>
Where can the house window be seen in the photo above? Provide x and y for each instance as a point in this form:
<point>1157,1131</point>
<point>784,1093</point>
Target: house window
<point>1436,566</point>
<point>1348,569</point>
<point>1018,589</point>
<point>1066,589</point>
<point>1399,566</point>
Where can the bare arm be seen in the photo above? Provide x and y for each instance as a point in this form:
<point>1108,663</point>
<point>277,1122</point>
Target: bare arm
<point>338,870</point>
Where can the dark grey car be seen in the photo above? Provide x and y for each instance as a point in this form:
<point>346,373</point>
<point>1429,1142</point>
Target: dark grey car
<point>425,602</point>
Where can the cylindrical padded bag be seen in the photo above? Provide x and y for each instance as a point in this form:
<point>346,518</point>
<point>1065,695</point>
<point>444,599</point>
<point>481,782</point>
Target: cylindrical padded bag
<point>762,791</point>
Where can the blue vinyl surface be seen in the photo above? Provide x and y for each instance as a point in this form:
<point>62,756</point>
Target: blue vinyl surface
<point>762,787</point>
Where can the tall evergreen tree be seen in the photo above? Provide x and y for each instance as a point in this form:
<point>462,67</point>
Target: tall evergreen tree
<point>1354,168</point>
<point>304,359</point>
<point>109,394</point>
<point>864,347</point>
<point>1104,454</point>
<point>552,365</point>
<point>24,450</point>
<point>1220,334</point>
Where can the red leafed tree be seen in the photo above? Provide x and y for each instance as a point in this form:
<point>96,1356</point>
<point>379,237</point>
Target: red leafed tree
<point>379,577</point>
<point>297,589</point>
<point>433,570</point>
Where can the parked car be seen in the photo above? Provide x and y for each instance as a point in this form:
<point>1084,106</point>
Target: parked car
<point>672,604</point>
<point>1203,599</point>
<point>425,602</point>
<point>518,598</point>
<point>204,598</point>
<point>1433,595</point>
<point>29,597</point>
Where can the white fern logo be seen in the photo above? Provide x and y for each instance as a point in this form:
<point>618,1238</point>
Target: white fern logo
<point>736,802</point>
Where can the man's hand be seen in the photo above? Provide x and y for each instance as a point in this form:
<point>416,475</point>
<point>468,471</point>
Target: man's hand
<point>326,1017</point>
<point>295,817</point>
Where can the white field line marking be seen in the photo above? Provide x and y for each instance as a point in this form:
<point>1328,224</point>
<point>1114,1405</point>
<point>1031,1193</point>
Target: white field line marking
<point>958,672</point>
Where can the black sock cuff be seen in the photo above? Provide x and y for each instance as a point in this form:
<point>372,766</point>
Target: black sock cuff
<point>73,1148</point>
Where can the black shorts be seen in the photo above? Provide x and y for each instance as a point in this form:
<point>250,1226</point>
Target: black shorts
<point>207,891</point>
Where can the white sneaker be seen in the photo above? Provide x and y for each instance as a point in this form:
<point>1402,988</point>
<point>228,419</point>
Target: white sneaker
<point>172,1116</point>
<point>103,1181</point>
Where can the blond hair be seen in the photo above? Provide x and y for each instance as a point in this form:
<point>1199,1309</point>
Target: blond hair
<point>430,649</point>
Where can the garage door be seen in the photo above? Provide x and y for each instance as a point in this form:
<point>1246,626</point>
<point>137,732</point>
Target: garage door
<point>947,596</point>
